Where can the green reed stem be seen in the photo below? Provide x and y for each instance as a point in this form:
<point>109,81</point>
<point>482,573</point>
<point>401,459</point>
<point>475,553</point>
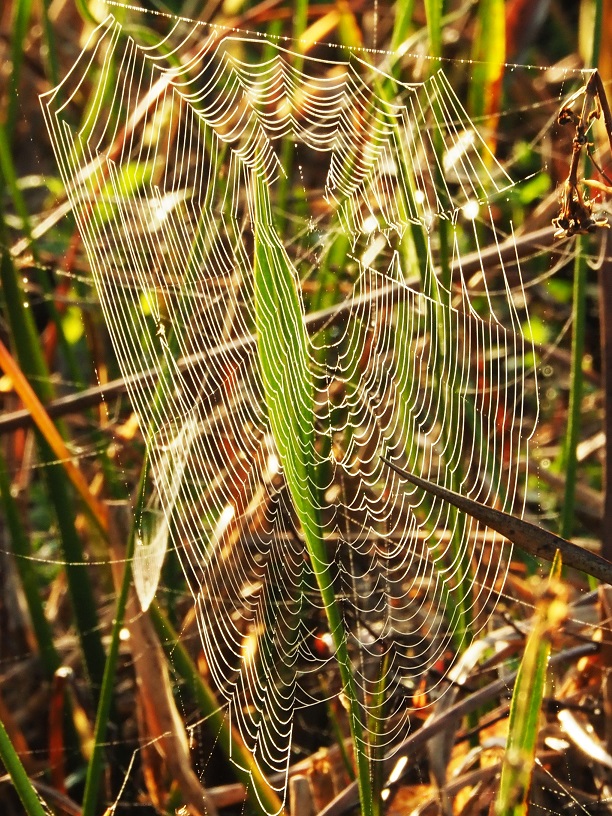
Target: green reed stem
<point>526,705</point>
<point>287,384</point>
<point>50,49</point>
<point>570,461</point>
<point>29,353</point>
<point>20,26</point>
<point>433,13</point>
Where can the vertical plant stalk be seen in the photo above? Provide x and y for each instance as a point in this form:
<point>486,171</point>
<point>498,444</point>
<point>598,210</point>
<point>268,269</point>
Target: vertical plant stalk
<point>161,720</point>
<point>51,51</point>
<point>570,462</point>
<point>605,319</point>
<point>20,26</point>
<point>605,322</point>
<point>9,179</point>
<point>96,763</point>
<point>579,317</point>
<point>489,55</point>
<point>433,13</point>
<point>300,20</point>
<point>21,549</point>
<point>378,707</point>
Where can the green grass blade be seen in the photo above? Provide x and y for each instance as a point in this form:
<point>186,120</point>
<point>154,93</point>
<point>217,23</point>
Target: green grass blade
<point>50,48</point>
<point>300,21</point>
<point>523,726</point>
<point>96,763</point>
<point>9,179</point>
<point>403,22</point>
<point>569,462</point>
<point>433,12</point>
<point>8,171</point>
<point>377,718</point>
<point>283,359</point>
<point>489,55</point>
<point>20,27</point>
<point>10,759</point>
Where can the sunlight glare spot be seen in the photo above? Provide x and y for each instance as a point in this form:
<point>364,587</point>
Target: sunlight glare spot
<point>370,224</point>
<point>227,514</point>
<point>373,251</point>
<point>273,465</point>
<point>161,208</point>
<point>397,770</point>
<point>454,155</point>
<point>471,209</point>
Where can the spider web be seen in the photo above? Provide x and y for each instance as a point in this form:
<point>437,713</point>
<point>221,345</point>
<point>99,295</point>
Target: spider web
<point>205,265</point>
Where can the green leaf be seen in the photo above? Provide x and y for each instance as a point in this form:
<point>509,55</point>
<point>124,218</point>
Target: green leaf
<point>288,390</point>
<point>523,726</point>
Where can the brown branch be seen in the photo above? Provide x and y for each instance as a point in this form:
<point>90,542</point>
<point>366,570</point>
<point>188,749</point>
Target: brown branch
<point>529,537</point>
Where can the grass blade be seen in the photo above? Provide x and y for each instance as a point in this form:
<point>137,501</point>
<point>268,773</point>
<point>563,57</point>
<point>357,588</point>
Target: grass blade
<point>517,767</point>
<point>32,363</point>
<point>489,55</point>
<point>433,13</point>
<point>283,357</point>
<point>29,798</point>
<point>20,27</point>
<point>96,763</point>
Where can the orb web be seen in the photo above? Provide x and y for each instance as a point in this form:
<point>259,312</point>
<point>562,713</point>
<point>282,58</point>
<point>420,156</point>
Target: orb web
<point>181,193</point>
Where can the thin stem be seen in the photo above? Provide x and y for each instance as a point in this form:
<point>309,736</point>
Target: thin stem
<point>32,363</point>
<point>262,796</point>
<point>570,461</point>
<point>579,308</point>
<point>96,763</point>
<point>42,630</point>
